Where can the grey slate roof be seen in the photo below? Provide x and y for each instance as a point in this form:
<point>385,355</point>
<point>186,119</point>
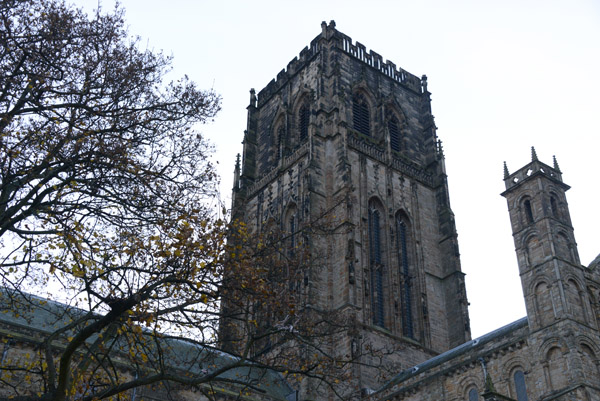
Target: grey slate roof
<point>477,343</point>
<point>45,316</point>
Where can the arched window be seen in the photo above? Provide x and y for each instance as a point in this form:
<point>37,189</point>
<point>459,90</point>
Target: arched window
<point>473,396</point>
<point>520,389</point>
<point>279,142</point>
<point>394,129</point>
<point>528,211</point>
<point>303,120</point>
<point>406,283</point>
<point>554,207</point>
<point>266,153</point>
<point>376,264</point>
<point>360,114</point>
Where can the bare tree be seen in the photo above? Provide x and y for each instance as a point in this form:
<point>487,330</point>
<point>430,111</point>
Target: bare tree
<point>105,200</point>
<point>107,213</point>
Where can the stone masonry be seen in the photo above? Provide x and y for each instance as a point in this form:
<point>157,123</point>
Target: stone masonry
<point>342,133</point>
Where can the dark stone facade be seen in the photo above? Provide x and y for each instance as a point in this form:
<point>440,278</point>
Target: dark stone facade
<point>368,148</point>
<point>342,131</point>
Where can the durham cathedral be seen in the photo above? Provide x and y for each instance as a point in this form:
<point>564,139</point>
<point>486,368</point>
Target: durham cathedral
<point>342,167</point>
<point>341,130</point>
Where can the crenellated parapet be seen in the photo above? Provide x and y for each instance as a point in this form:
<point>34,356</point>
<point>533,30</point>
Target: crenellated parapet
<point>356,50</point>
<point>534,168</point>
<point>297,64</point>
<point>374,60</point>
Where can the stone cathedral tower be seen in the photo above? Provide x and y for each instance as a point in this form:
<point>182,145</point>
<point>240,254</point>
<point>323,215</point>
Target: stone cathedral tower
<point>560,293</point>
<point>343,132</point>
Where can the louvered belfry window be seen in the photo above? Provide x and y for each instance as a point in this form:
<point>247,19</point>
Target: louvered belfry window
<point>406,280</point>
<point>376,267</point>
<point>360,114</point>
<point>303,119</point>
<point>394,130</point>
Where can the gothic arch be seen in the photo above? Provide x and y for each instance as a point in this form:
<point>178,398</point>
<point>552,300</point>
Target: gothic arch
<point>363,111</point>
<point>279,138</point>
<point>377,247</point>
<point>395,127</point>
<point>301,118</point>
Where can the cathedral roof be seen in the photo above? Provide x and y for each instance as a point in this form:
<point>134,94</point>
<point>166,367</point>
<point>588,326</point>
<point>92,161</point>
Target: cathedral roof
<point>475,346</point>
<point>32,317</point>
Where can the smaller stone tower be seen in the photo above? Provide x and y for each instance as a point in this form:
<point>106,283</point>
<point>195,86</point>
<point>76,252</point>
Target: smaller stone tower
<point>561,318</point>
<point>551,274</point>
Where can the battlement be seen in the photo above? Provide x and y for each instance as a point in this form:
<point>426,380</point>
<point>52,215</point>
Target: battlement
<point>374,60</point>
<point>344,43</point>
<point>534,168</point>
<point>306,55</point>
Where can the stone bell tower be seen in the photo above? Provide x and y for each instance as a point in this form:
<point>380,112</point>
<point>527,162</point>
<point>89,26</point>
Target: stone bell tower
<point>551,273</point>
<point>557,288</point>
<point>342,135</point>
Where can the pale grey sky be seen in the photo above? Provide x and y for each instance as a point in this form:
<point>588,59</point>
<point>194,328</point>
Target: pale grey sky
<point>504,75</point>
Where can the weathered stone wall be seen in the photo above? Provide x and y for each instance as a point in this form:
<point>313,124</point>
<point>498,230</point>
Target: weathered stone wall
<point>333,177</point>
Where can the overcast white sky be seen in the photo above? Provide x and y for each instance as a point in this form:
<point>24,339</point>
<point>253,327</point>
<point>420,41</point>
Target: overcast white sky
<point>504,75</point>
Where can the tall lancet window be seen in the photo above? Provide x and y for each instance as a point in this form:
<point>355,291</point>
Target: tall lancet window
<point>405,277</point>
<point>303,120</point>
<point>528,211</point>
<point>279,141</point>
<point>361,119</point>
<point>376,264</point>
<point>394,130</point>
